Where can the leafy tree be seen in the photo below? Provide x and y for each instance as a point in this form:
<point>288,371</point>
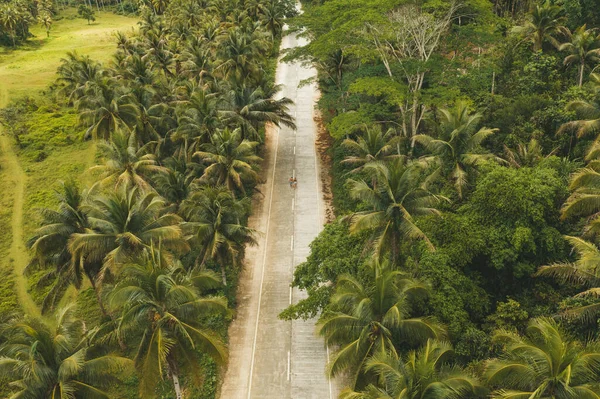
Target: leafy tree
<point>394,198</point>
<point>584,48</point>
<point>231,160</point>
<point>53,359</point>
<point>544,363</point>
<point>370,318</point>
<point>167,307</point>
<point>86,12</point>
<point>456,149</point>
<point>215,219</point>
<point>425,373</point>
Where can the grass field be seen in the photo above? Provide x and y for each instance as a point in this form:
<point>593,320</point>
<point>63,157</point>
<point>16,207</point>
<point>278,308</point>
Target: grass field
<point>27,184</point>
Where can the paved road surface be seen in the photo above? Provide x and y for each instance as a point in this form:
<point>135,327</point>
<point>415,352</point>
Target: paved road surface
<point>270,358</point>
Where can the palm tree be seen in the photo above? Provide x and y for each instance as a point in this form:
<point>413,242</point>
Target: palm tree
<point>252,107</point>
<point>106,109</point>
<point>52,359</point>
<point>422,374</point>
<point>166,306</point>
<point>371,146</point>
<point>49,243</point>
<point>584,271</point>
<point>394,197</point>
<point>585,197</point>
<point>589,118</point>
<point>584,48</point>
<point>273,16</point>
<point>230,160</point>
<point>215,219</point>
<point>545,22</point>
<point>78,73</point>
<point>525,155</point>
<point>125,164</point>
<point>123,224</point>
<point>198,119</point>
<point>367,319</point>
<point>238,53</point>
<point>543,364</point>
<point>177,183</point>
<point>456,148</point>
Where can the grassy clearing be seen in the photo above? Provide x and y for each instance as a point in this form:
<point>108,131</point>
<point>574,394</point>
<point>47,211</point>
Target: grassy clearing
<point>53,150</point>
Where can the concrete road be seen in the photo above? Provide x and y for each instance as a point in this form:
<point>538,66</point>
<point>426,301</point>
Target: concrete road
<point>270,358</point>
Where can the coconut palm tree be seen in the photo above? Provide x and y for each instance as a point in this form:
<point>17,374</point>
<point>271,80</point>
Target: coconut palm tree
<point>422,374</point>
<point>177,183</point>
<point>589,118</point>
<point>49,243</point>
<point>584,271</point>
<point>215,219</point>
<point>456,149</point>
<point>585,197</point>
<point>584,48</point>
<point>252,107</point>
<point>166,306</point>
<point>238,53</point>
<point>231,160</point>
<point>544,363</point>
<point>52,359</point>
<point>546,21</point>
<point>198,119</point>
<point>367,319</point>
<point>393,198</point>
<point>125,164</point>
<point>526,154</point>
<point>106,108</point>
<point>123,224</point>
<point>373,145</point>
<point>78,73</point>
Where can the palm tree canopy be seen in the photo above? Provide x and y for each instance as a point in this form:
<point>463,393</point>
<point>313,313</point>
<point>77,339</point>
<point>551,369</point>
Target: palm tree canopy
<point>395,198</point>
<point>166,306</point>
<point>422,374</point>
<point>457,149</point>
<point>544,363</point>
<point>365,319</point>
<point>51,359</point>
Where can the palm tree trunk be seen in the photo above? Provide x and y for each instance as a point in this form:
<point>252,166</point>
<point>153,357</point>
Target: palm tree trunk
<point>223,275</point>
<point>581,69</point>
<point>176,385</point>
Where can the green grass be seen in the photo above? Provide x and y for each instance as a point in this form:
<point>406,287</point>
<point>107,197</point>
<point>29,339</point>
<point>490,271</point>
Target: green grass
<point>33,65</point>
<point>52,150</point>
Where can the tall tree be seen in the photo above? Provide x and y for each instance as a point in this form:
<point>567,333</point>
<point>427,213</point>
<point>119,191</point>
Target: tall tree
<point>583,48</point>
<point>125,164</point>
<point>544,23</point>
<point>456,148</point>
<point>216,221</point>
<point>123,224</point>
<point>167,307</point>
<point>394,197</point>
<point>421,374</point>
<point>373,145</point>
<point>367,319</point>
<point>231,160</point>
<point>584,271</point>
<point>52,359</point>
<point>50,241</point>
<point>544,363</point>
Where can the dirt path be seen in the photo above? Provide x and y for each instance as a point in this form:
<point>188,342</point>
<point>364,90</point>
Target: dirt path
<point>17,259</point>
